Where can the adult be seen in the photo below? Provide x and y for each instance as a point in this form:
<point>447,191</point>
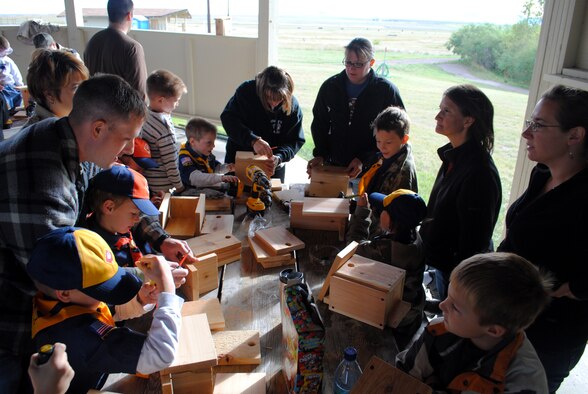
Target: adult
<point>465,200</point>
<point>264,117</point>
<point>52,79</point>
<point>44,183</point>
<point>344,109</point>
<point>111,51</point>
<point>547,225</point>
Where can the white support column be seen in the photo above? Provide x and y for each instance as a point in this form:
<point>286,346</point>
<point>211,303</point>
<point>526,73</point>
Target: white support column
<point>74,19</point>
<point>267,53</point>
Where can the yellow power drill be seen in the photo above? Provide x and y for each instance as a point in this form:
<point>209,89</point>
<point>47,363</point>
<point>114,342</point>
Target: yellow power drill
<point>260,198</point>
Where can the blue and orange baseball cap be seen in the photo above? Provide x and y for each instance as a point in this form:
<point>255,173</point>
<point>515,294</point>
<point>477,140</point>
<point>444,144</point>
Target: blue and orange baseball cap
<point>404,206</point>
<point>142,154</point>
<point>124,181</point>
<point>74,258</point>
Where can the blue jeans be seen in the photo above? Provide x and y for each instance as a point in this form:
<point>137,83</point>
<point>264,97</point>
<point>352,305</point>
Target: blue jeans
<point>558,363</point>
<point>13,373</point>
<point>442,283</point>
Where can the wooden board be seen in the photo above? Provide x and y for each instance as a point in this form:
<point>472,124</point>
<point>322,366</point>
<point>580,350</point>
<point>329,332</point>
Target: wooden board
<point>380,377</point>
<point>278,240</point>
<point>191,288</point>
<point>196,347</point>
<point>329,207</point>
<point>328,181</point>
<point>372,273</point>
<point>215,223</point>
<point>207,272</point>
<point>240,383</point>
<point>245,159</point>
<point>290,259</point>
<point>276,184</point>
<point>285,196</point>
<point>227,247</point>
<point>211,307</point>
<point>261,256</point>
<point>224,204</point>
<point>340,259</point>
<point>190,382</point>
<point>237,347</point>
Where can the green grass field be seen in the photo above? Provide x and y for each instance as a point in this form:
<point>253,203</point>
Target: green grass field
<point>312,55</point>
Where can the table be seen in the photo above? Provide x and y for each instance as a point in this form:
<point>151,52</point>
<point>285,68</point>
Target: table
<point>250,300</point>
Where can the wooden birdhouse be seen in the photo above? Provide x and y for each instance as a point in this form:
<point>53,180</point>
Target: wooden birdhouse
<point>182,216</point>
<point>365,289</point>
<point>330,214</point>
<point>328,181</point>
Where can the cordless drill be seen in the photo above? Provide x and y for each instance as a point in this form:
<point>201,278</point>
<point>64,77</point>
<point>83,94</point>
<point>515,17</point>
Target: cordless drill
<point>260,198</point>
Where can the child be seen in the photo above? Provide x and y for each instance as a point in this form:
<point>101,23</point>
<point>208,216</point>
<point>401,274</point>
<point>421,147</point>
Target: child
<point>9,77</point>
<point>395,167</point>
<point>164,90</point>
<point>77,276</point>
<point>479,346</point>
<point>116,197</point>
<point>198,166</point>
<point>399,244</point>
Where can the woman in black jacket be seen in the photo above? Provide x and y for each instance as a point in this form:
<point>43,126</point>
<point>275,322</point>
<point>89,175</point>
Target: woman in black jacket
<point>466,196</point>
<point>547,225</point>
<point>264,117</point>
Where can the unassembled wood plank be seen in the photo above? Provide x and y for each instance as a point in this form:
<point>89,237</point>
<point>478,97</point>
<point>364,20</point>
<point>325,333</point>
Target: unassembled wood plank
<point>190,382</point>
<point>273,264</point>
<point>191,288</point>
<point>215,223</point>
<point>276,184</point>
<point>211,307</point>
<point>278,240</point>
<point>340,259</point>
<point>223,204</point>
<point>164,209</point>
<point>229,256</point>
<point>288,195</point>
<point>195,348</point>
<point>221,244</point>
<point>240,383</point>
<point>330,207</point>
<point>207,272</point>
<point>237,347</point>
<point>261,256</point>
<point>380,377</point>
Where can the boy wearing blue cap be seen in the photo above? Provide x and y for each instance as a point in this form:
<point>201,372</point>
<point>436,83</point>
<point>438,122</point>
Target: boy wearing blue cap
<point>117,197</point>
<point>399,244</point>
<point>77,276</point>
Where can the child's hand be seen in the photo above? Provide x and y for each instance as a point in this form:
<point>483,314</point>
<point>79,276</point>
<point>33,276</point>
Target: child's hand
<point>230,179</point>
<point>148,294</point>
<point>229,167</point>
<point>157,198</point>
<point>55,375</point>
<point>158,271</point>
<point>363,200</point>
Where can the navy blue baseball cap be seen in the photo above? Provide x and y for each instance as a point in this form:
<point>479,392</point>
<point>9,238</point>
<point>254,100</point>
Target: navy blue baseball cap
<point>404,206</point>
<point>71,258</point>
<point>124,181</point>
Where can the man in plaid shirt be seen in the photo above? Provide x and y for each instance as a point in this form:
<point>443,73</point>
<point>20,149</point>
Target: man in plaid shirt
<point>44,172</point>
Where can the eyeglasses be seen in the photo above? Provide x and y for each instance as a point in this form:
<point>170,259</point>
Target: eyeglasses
<point>347,63</point>
<point>534,126</point>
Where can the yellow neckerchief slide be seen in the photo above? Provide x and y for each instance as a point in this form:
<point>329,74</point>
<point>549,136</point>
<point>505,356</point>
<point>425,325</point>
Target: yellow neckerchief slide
<point>44,317</point>
<point>184,151</point>
<point>367,177</point>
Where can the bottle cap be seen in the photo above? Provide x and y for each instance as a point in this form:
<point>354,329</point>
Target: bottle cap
<point>290,277</point>
<point>350,353</point>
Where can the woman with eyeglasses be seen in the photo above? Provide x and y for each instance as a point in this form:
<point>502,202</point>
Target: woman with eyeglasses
<point>548,225</point>
<point>465,200</point>
<point>345,107</point>
<point>263,116</point>
<point>52,79</point>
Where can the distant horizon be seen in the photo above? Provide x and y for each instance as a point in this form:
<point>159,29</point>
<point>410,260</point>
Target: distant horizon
<point>452,11</point>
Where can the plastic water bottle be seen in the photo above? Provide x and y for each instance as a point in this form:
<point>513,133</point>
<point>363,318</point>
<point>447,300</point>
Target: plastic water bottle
<point>347,373</point>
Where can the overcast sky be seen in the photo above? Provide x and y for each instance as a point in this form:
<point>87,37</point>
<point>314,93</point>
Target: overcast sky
<point>493,11</point>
